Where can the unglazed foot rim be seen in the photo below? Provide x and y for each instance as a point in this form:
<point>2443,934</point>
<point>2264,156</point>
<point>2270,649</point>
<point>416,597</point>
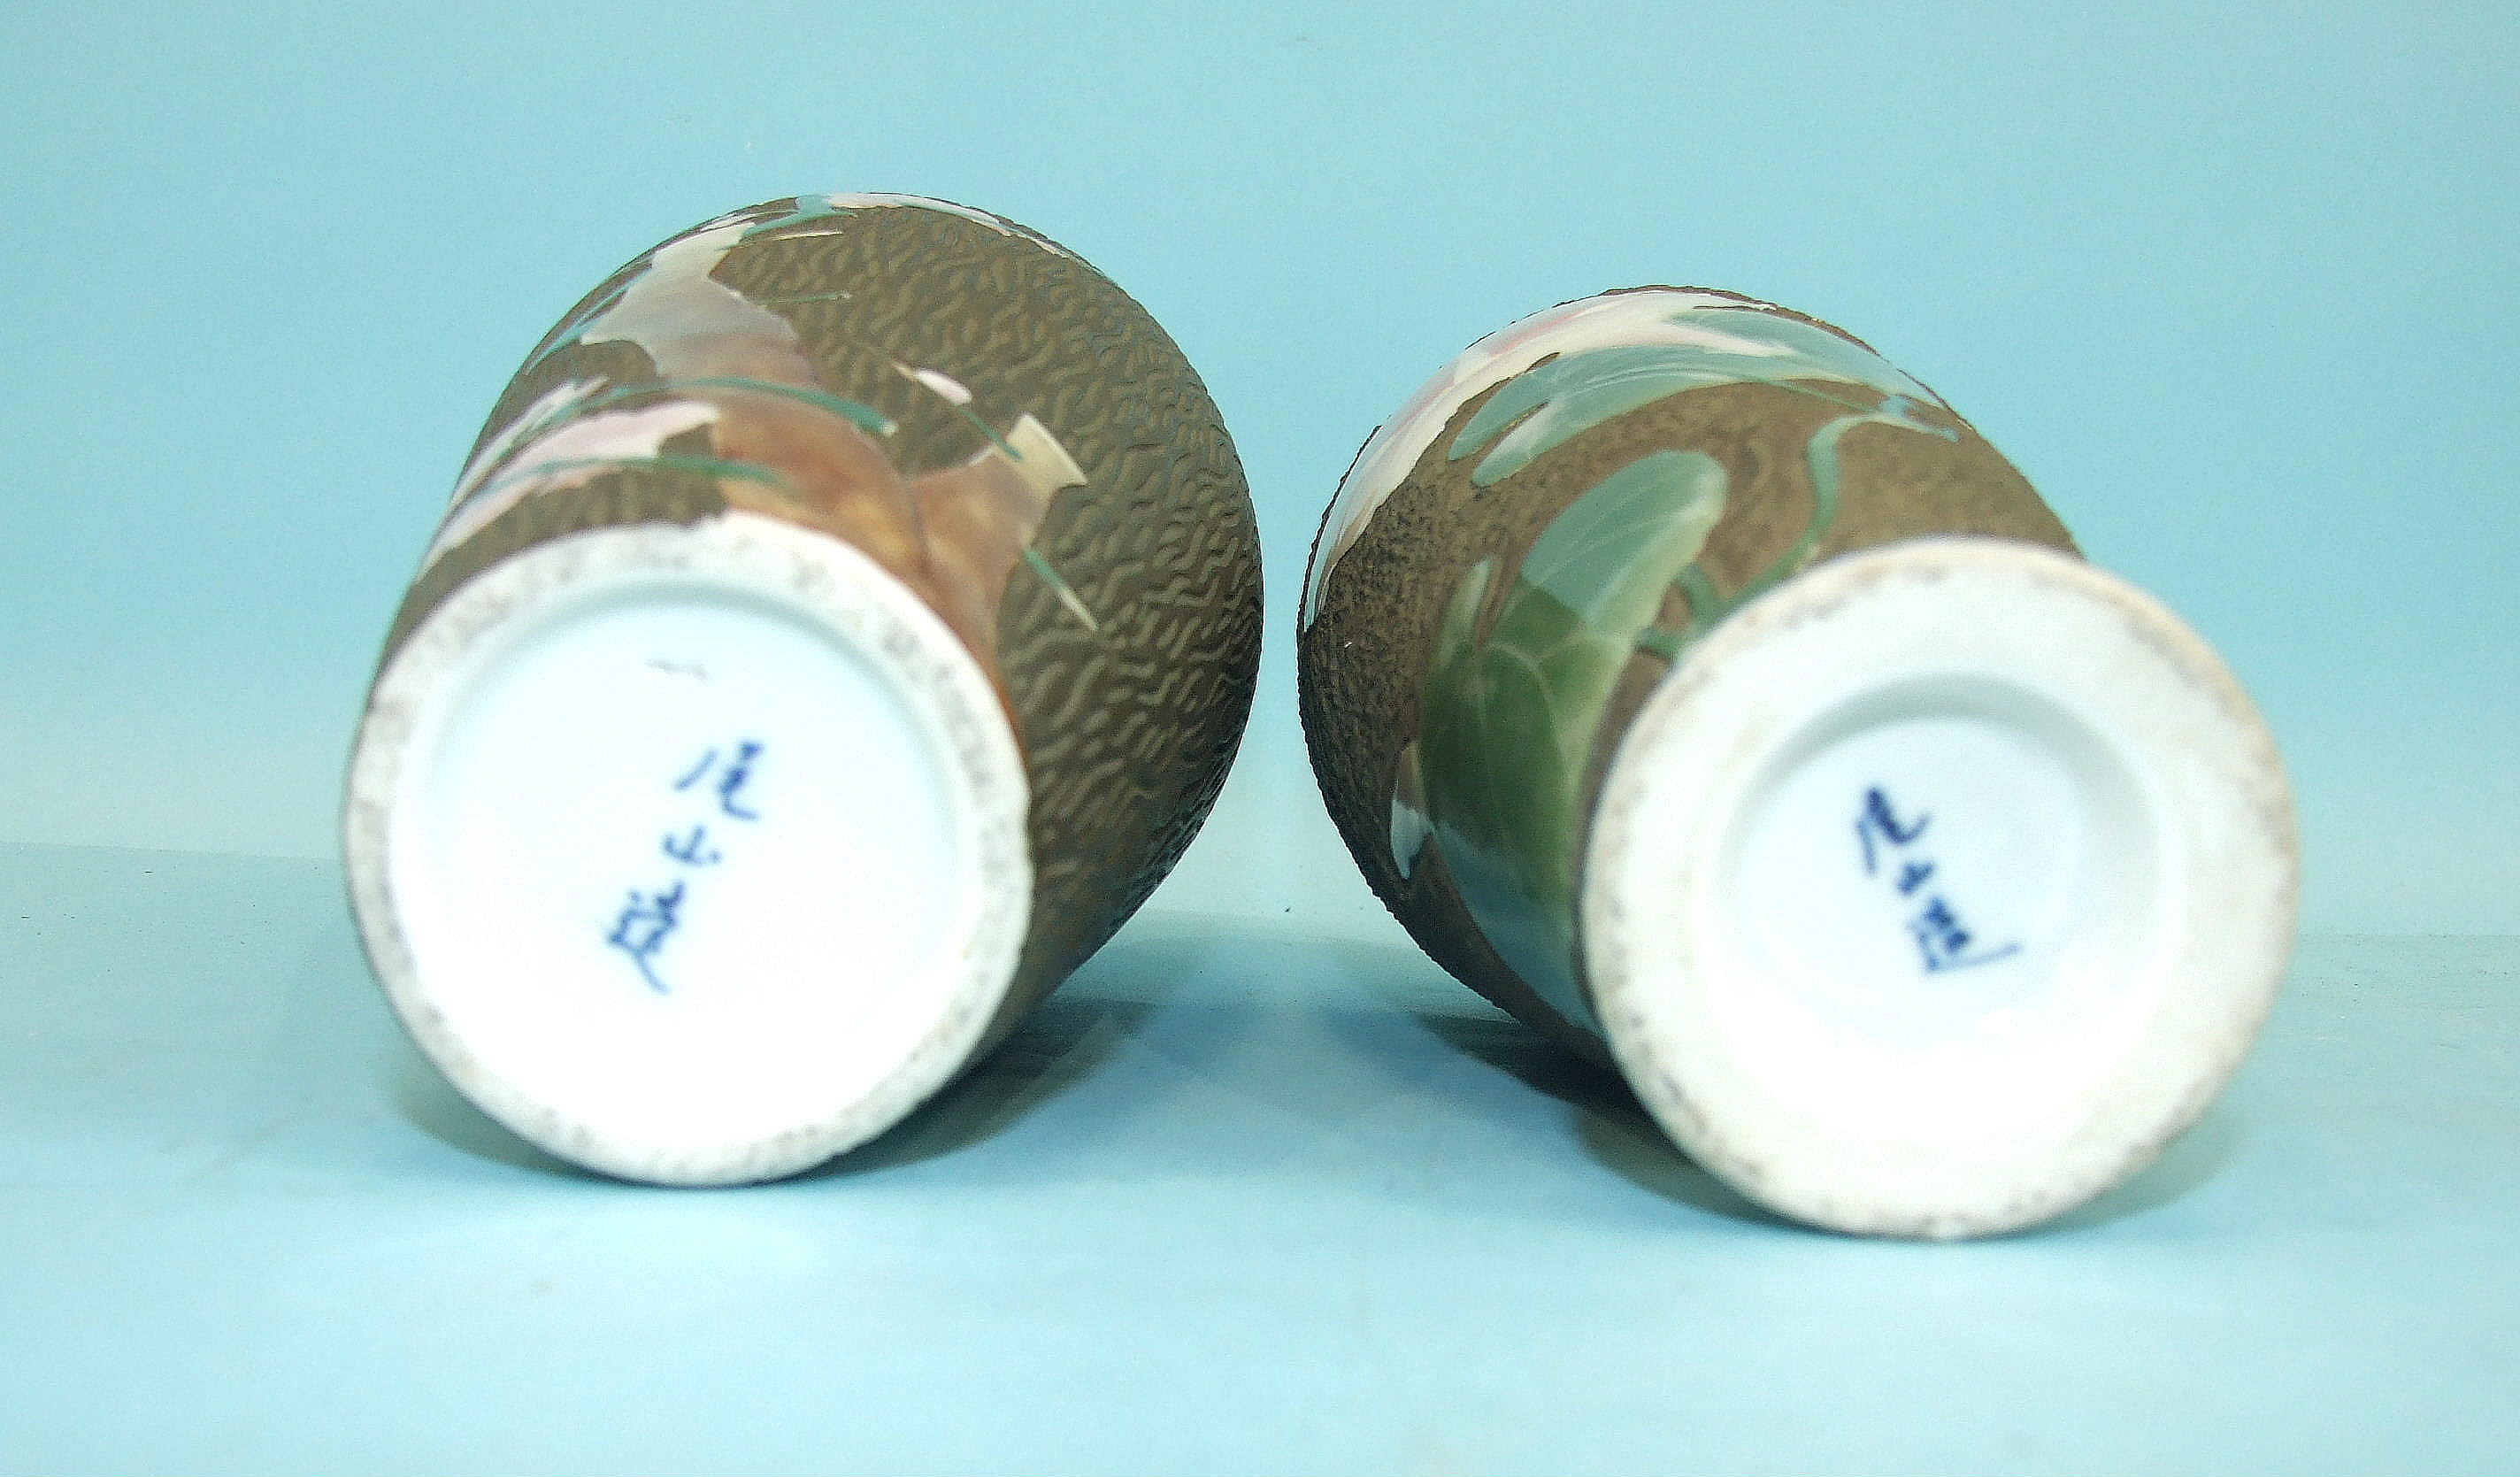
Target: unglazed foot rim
<point>552,751</point>
<point>2030,742</point>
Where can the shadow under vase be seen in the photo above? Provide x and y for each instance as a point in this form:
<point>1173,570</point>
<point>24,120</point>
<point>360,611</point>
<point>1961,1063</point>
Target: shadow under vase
<point>1615,1130</point>
<point>1059,1045</point>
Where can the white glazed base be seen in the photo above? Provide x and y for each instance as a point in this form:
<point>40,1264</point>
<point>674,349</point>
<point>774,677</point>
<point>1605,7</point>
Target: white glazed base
<point>1937,890</point>
<point>693,855</point>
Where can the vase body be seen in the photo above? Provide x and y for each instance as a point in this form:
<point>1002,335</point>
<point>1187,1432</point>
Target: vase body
<point>899,458</point>
<point>1533,554</point>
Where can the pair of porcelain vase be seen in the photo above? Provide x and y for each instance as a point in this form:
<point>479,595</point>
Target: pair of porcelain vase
<point>850,609</point>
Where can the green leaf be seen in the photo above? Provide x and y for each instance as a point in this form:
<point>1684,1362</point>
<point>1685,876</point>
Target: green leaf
<point>1549,405</point>
<point>1610,554</point>
<point>1507,724</point>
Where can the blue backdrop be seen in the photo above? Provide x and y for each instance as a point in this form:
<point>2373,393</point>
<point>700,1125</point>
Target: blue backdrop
<point>2234,287</point>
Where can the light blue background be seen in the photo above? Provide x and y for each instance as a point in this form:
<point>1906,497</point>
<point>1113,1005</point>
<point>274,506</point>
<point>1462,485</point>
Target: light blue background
<point>2233,288</point>
<point>1261,1189</point>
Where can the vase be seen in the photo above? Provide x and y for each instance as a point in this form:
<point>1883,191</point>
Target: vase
<point>844,619</point>
<point>1704,691</point>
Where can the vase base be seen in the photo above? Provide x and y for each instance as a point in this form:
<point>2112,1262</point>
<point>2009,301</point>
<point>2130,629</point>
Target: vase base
<point>692,854</point>
<point>1937,890</point>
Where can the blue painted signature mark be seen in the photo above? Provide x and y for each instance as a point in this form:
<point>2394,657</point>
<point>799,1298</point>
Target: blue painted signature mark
<point>1943,942</point>
<point>648,918</point>
<point>645,921</point>
<point>732,775</point>
<point>691,849</point>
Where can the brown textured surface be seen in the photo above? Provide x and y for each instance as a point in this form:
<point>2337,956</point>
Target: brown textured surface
<point>1127,729</point>
<point>1363,662</point>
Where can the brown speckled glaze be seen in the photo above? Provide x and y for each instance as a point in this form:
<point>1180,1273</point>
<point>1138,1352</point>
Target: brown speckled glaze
<point>986,416</point>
